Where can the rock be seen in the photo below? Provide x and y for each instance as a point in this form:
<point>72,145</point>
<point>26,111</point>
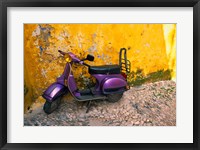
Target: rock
<point>80,123</point>
<point>137,123</point>
<point>129,124</point>
<point>99,108</point>
<point>102,116</point>
<point>142,122</point>
<point>82,115</point>
<point>127,113</point>
<point>81,119</point>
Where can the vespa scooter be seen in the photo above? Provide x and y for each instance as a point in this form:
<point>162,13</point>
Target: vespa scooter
<point>110,84</point>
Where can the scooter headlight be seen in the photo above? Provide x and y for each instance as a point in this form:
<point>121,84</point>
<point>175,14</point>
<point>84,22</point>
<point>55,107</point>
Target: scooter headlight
<point>67,58</point>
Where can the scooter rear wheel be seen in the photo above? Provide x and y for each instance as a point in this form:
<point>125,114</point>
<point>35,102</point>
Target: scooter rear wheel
<point>49,107</point>
<point>114,97</point>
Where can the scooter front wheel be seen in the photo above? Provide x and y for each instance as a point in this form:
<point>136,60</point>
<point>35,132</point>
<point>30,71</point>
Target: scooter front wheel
<point>114,97</point>
<point>49,107</point>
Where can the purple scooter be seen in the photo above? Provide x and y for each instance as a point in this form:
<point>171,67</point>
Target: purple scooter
<point>110,82</point>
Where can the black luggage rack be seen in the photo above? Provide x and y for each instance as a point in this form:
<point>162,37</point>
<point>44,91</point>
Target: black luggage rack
<point>124,63</point>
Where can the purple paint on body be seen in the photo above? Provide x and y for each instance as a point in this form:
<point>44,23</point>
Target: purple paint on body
<point>61,80</point>
<point>77,94</point>
<point>74,58</point>
<point>114,83</point>
<point>71,83</point>
<point>53,90</point>
<point>101,78</point>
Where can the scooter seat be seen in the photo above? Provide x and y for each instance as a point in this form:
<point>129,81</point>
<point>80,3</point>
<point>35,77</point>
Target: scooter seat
<point>104,69</point>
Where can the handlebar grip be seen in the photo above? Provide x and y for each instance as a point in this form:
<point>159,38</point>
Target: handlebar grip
<point>86,64</point>
<point>63,53</point>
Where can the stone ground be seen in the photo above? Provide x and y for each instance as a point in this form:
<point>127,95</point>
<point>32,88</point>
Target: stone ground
<point>152,104</point>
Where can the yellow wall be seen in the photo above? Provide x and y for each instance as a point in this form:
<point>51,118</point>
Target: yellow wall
<point>170,42</point>
<point>148,46</point>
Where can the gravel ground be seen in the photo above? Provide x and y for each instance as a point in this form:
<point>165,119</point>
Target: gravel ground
<point>152,104</point>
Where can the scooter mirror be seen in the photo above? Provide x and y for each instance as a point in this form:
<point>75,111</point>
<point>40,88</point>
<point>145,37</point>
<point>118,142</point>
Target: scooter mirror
<point>90,57</point>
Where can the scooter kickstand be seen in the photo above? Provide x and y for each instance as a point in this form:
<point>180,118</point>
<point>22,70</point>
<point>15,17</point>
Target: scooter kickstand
<point>88,106</point>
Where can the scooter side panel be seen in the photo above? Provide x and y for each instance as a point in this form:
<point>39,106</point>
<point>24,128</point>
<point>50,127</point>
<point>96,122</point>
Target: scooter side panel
<point>53,91</point>
<point>114,85</point>
<point>101,78</point>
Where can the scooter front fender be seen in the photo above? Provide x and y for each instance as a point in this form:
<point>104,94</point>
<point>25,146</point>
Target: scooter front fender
<point>54,91</point>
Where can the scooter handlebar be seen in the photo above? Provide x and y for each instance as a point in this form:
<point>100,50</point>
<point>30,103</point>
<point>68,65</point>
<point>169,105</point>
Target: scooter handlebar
<point>81,62</point>
<point>86,64</point>
<point>63,53</point>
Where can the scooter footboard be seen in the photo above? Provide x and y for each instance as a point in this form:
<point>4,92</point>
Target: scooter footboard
<point>54,91</point>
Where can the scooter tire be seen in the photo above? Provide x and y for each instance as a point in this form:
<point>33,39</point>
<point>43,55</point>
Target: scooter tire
<point>49,107</point>
<point>114,97</point>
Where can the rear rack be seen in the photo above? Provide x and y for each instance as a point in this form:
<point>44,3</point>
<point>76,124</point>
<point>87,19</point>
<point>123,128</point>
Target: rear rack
<point>124,63</point>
